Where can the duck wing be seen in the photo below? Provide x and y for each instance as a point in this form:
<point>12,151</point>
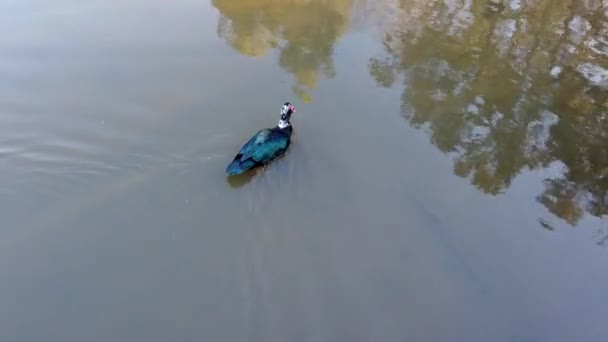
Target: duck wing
<point>262,148</point>
<point>258,139</point>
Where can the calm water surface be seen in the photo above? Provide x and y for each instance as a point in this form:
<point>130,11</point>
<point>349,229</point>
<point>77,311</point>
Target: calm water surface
<point>447,181</point>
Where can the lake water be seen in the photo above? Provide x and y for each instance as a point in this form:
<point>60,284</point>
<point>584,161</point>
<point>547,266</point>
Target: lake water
<point>447,180</point>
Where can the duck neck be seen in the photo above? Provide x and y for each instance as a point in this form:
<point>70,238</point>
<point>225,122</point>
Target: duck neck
<point>283,124</point>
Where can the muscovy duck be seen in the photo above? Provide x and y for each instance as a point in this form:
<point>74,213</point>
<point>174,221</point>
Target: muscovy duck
<point>265,146</point>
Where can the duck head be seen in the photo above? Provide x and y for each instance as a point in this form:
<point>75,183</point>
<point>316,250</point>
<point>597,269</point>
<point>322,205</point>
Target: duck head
<point>286,112</point>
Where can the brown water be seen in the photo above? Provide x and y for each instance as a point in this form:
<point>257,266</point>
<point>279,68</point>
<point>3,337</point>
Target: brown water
<point>447,181</point>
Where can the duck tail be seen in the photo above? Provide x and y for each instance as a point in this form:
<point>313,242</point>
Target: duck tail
<point>237,168</point>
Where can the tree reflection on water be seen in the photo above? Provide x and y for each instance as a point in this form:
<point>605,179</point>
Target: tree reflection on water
<point>505,86</point>
<point>304,32</point>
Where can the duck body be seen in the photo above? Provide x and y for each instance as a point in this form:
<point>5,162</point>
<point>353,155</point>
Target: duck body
<point>264,147</point>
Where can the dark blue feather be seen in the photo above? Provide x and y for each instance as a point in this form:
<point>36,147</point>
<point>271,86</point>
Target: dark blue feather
<point>264,147</point>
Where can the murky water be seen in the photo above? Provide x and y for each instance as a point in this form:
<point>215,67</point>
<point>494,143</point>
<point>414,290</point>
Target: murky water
<point>447,181</point>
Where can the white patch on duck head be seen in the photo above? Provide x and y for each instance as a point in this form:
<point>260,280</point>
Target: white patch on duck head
<point>286,112</point>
